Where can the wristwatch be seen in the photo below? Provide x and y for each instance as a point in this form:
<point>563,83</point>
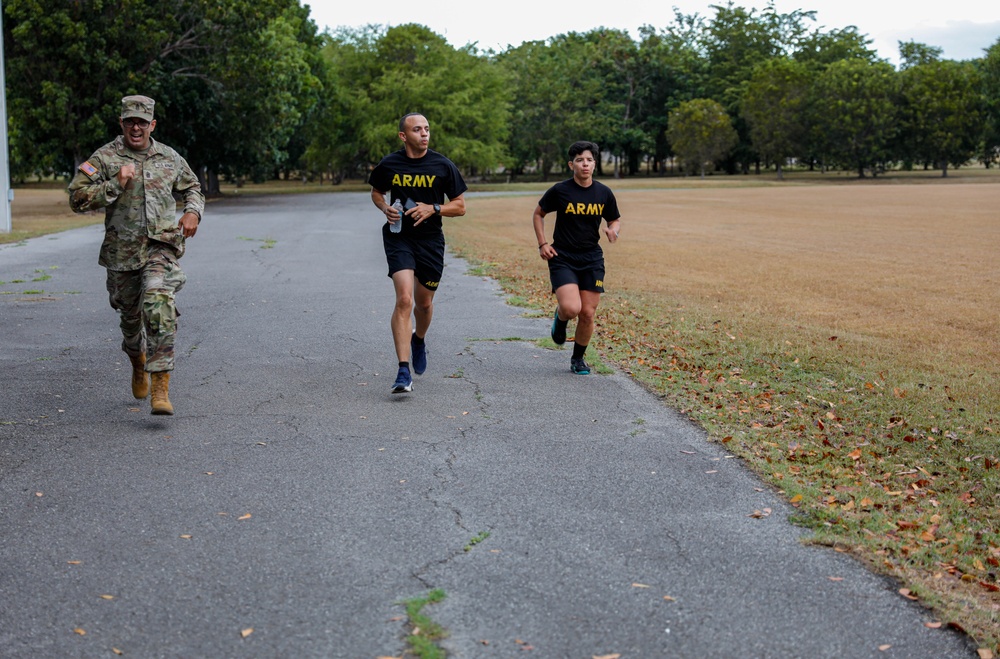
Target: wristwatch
<point>437,209</point>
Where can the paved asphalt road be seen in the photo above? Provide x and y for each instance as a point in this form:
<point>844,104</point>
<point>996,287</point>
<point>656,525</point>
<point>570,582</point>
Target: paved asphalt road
<point>291,494</point>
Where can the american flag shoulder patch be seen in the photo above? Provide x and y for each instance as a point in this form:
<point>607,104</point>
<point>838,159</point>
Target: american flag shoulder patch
<point>87,168</point>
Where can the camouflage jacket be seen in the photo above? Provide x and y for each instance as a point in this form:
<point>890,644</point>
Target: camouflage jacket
<point>162,173</point>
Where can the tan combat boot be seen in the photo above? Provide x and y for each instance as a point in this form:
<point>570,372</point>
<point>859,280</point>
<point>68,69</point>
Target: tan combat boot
<point>140,379</point>
<point>161,388</point>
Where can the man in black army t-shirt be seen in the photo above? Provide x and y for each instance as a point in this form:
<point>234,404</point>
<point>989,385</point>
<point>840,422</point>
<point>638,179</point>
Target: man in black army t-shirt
<point>419,179</point>
<point>576,261</point>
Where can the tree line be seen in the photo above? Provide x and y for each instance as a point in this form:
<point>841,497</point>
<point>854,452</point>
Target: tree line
<point>251,89</point>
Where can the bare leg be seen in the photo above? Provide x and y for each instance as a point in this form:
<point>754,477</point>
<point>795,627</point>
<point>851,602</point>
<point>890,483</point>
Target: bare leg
<point>401,324</point>
<point>423,309</point>
<point>568,299</point>
<point>585,325</point>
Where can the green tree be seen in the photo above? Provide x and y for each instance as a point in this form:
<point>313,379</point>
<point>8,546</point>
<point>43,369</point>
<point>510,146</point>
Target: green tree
<point>68,66</point>
<point>376,75</point>
<point>701,133</point>
<point>616,62</point>
<point>989,67</point>
<point>912,53</point>
<point>552,101</point>
<point>774,103</point>
<point>943,111</point>
<point>821,49</point>
<point>231,68</point>
<point>854,114</point>
<point>734,41</point>
<point>675,72</point>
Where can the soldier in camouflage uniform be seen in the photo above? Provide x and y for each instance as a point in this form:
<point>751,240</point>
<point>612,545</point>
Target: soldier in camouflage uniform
<point>134,179</point>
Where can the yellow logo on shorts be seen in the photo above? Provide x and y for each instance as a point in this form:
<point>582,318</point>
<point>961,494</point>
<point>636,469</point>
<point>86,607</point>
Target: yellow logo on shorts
<point>431,284</point>
<point>599,282</point>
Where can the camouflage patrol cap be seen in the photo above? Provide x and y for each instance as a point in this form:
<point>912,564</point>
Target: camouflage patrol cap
<point>138,106</point>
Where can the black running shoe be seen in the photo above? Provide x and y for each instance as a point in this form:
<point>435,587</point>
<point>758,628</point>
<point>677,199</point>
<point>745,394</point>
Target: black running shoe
<point>579,366</point>
<point>558,328</point>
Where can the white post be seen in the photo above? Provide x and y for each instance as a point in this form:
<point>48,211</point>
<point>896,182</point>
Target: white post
<point>5,189</point>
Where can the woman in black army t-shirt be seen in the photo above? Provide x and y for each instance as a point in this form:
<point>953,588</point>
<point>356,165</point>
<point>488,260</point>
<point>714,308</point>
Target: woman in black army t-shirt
<point>576,261</point>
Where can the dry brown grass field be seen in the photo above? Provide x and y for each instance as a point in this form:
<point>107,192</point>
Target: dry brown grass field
<point>842,336</point>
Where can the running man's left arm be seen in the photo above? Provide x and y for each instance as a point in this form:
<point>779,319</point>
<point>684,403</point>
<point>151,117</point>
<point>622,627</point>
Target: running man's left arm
<point>188,186</point>
<point>455,207</point>
<point>612,229</point>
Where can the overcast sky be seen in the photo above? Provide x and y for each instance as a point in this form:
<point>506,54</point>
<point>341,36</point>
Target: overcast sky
<point>963,28</point>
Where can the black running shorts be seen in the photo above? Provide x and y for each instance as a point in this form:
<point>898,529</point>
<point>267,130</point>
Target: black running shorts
<point>584,270</point>
<point>423,255</point>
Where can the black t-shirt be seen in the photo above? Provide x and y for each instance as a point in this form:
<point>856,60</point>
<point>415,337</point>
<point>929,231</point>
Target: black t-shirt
<point>579,211</point>
<point>428,180</point>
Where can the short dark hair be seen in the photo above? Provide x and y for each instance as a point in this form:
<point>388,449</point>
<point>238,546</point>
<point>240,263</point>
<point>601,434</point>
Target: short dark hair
<point>402,120</point>
<point>577,148</point>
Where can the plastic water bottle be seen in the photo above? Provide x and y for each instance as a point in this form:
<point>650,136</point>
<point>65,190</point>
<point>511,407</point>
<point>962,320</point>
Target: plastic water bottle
<point>397,226</point>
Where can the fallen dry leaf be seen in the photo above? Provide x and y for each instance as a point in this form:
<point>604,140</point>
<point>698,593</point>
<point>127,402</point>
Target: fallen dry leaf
<point>186,536</point>
<point>107,597</point>
<point>905,592</point>
<point>669,598</point>
<point>79,631</point>
<point>246,632</point>
<point>883,648</point>
<point>639,585</point>
<point>117,651</point>
<point>713,471</point>
<point>795,499</point>
<point>835,578</point>
<point>932,625</point>
<point>243,517</point>
<point>607,656</point>
<point>74,562</point>
<point>760,514</point>
<point>688,452</point>
<point>985,653</point>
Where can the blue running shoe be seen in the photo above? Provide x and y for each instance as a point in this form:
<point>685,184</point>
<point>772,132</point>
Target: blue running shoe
<point>579,366</point>
<point>558,328</point>
<point>404,383</point>
<point>418,355</point>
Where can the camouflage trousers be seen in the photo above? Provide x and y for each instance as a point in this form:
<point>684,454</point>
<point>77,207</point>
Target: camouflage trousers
<point>145,301</point>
